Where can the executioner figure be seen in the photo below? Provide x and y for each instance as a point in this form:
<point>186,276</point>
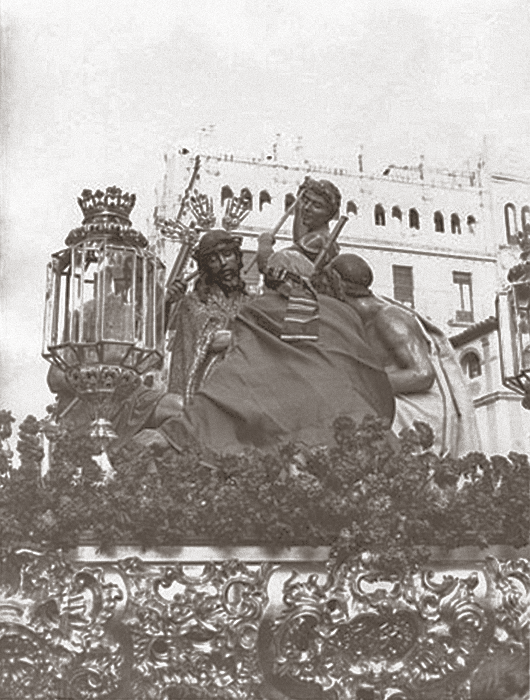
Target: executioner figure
<point>201,319</point>
<point>420,363</point>
<point>319,203</point>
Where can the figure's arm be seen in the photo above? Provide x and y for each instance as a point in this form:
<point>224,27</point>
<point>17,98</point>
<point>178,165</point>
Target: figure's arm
<point>411,370</point>
<point>174,294</point>
<point>265,249</point>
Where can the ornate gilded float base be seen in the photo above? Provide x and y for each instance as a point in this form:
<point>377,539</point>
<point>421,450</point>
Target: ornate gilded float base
<point>277,628</point>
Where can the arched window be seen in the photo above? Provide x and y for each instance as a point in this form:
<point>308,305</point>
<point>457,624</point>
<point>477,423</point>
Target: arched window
<point>396,213</point>
<point>226,193</point>
<point>379,215</point>
<point>351,207</point>
<point>471,366</point>
<point>414,219</point>
<point>246,196</point>
<point>439,222</point>
<point>455,224</point>
<point>510,220</point>
<point>471,223</point>
<point>264,198</point>
<point>288,201</point>
<point>525,216</point>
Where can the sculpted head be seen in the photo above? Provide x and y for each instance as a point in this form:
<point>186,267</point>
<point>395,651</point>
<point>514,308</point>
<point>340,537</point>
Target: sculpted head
<point>348,275</point>
<point>319,204</point>
<point>220,259</point>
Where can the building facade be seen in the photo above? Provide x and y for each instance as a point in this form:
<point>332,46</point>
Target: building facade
<point>438,241</point>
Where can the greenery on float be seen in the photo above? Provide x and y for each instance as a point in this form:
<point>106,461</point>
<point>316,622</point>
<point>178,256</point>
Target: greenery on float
<point>364,495</point>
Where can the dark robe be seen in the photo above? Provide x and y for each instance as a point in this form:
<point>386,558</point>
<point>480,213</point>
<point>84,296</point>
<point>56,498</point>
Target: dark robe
<point>267,390</point>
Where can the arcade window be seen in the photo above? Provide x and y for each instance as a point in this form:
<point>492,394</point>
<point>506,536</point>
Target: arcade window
<point>396,213</point>
<point>471,223</point>
<point>264,198</point>
<point>525,216</point>
<point>464,311</point>
<point>351,207</point>
<point>510,220</point>
<point>379,215</point>
<point>403,284</point>
<point>414,219</point>
<point>455,224</point>
<point>288,201</point>
<point>439,226</point>
<point>246,196</point>
<point>226,193</point>
<point>470,364</point>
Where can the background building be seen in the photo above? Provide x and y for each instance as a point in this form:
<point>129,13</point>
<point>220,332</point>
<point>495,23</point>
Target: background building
<point>439,241</point>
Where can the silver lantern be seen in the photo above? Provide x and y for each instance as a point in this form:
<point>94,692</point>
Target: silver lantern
<point>104,316</point>
<point>513,314</point>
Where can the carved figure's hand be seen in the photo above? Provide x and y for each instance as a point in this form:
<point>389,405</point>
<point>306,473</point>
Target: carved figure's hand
<point>267,238</point>
<point>176,291</point>
<point>221,340</point>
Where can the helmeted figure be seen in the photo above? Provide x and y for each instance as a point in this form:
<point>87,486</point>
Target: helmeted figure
<point>420,362</point>
<point>200,320</point>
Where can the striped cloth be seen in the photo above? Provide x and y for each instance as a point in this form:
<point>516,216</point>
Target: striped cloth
<point>301,317</point>
<point>301,314</point>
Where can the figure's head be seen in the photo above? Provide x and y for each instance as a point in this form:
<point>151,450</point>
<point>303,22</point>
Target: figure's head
<point>349,275</point>
<point>319,204</point>
<point>220,259</point>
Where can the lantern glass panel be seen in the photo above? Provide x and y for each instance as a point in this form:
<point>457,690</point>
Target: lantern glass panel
<point>133,357</point>
<point>88,354</point>
<point>49,303</point>
<point>62,311</point>
<point>150,360</point>
<point>57,301</point>
<point>507,336</point>
<point>149,303</point>
<point>113,353</point>
<point>67,355</point>
<point>85,303</point>
<point>521,316</point>
<point>159,300</point>
<point>139,311</point>
<point>117,294</point>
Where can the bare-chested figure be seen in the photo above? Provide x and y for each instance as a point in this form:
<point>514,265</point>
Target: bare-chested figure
<point>419,361</point>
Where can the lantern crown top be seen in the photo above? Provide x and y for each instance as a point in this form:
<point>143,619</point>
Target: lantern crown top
<point>106,215</point>
<point>112,202</point>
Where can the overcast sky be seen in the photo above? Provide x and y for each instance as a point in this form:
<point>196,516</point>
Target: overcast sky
<point>94,93</point>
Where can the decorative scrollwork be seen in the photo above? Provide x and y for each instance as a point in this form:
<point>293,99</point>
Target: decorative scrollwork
<point>234,630</point>
<point>194,633</point>
<point>359,630</point>
<point>53,636</point>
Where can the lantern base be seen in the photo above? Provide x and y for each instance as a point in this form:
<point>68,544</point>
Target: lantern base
<point>102,380</point>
